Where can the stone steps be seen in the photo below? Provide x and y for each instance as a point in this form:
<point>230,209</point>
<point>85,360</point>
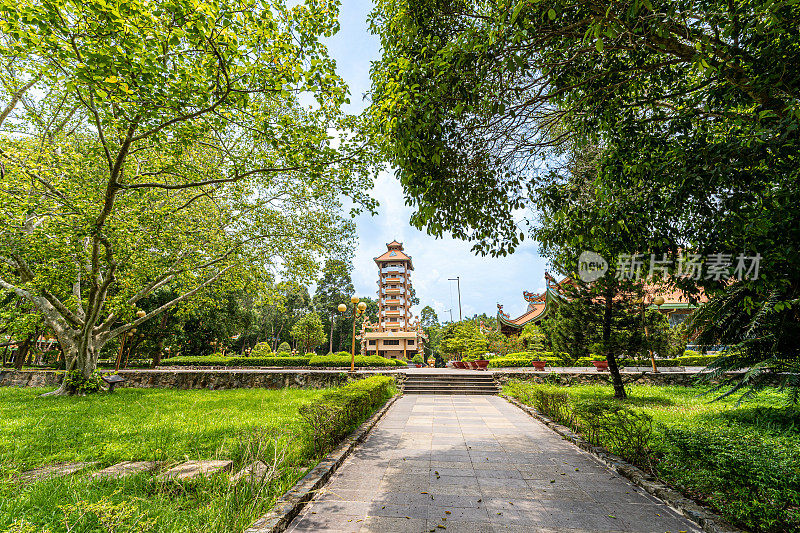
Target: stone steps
<point>449,384</point>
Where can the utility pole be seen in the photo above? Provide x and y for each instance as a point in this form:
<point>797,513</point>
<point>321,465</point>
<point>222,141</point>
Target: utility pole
<point>451,314</point>
<point>457,279</point>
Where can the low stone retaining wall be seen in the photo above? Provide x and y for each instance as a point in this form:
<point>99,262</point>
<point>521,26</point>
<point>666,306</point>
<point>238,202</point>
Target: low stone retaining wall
<point>30,378</point>
<point>599,378</point>
<point>205,379</point>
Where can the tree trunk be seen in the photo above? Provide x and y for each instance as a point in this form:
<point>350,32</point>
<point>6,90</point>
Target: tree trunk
<point>160,343</point>
<point>77,356</point>
<point>22,353</point>
<point>613,369</point>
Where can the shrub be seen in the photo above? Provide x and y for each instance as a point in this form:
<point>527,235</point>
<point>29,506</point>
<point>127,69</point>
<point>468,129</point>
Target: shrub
<point>360,361</point>
<point>554,404</point>
<point>268,361</point>
<point>696,360</point>
<point>623,430</point>
<point>262,349</point>
<point>194,360</point>
<point>752,481</point>
<point>284,347</point>
<point>74,380</point>
<point>418,359</point>
<point>332,416</point>
<point>509,361</point>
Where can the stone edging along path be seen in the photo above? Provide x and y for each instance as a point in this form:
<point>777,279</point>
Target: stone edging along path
<point>709,521</point>
<point>292,502</point>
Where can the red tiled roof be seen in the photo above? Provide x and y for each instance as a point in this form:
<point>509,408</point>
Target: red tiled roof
<point>395,253</point>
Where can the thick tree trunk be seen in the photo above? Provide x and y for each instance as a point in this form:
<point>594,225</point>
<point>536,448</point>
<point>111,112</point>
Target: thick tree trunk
<point>77,356</point>
<point>613,369</point>
<point>157,355</point>
<point>23,351</point>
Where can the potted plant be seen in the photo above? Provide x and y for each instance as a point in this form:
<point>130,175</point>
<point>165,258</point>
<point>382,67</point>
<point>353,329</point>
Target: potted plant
<point>417,361</point>
<point>600,364</point>
<point>538,364</point>
<point>481,363</point>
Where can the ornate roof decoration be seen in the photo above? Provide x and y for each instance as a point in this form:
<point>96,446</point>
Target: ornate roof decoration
<point>500,311</point>
<point>533,297</point>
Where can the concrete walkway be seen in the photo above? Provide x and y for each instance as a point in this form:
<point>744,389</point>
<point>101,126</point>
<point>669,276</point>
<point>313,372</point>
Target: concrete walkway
<point>477,464</point>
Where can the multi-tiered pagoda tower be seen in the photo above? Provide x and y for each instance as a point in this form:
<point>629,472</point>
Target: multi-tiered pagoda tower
<point>397,334</point>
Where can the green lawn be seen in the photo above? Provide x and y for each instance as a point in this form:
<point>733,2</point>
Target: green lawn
<point>742,460</point>
<point>145,424</point>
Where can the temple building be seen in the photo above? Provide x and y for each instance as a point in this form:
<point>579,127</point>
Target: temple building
<point>676,305</point>
<point>396,334</point>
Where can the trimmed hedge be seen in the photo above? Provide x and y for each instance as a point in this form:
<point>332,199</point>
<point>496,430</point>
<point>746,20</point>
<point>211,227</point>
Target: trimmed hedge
<point>697,360</point>
<point>196,360</point>
<point>502,362</point>
<point>268,361</point>
<point>525,359</point>
<point>217,360</point>
<point>338,411</point>
<point>361,361</point>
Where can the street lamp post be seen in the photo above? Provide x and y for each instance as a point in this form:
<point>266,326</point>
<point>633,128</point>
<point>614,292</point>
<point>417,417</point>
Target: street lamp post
<point>358,309</point>
<point>457,279</point>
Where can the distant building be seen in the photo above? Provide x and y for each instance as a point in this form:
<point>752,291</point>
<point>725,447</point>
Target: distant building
<point>676,305</point>
<point>396,334</point>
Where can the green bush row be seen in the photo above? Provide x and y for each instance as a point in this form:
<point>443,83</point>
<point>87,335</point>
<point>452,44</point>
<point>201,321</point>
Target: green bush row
<point>751,477</point>
<point>343,359</point>
<point>269,361</point>
<point>693,360</point>
<point>508,361</point>
<point>338,411</point>
<point>196,360</point>
<point>524,359</point>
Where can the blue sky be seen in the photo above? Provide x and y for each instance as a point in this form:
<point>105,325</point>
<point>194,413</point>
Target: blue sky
<point>485,281</point>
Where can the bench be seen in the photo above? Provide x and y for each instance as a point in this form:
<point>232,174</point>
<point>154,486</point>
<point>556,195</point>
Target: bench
<point>112,381</point>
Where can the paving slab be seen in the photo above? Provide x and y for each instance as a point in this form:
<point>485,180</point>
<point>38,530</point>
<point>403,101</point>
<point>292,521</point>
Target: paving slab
<point>491,468</point>
<point>125,468</point>
<point>195,469</point>
<point>54,470</point>
<point>255,472</point>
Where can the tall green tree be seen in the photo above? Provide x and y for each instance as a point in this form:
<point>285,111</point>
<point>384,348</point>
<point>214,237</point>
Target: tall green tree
<point>693,110</point>
<point>308,332</point>
<point>428,317</point>
<point>334,287</point>
<point>164,145</point>
<point>465,339</point>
